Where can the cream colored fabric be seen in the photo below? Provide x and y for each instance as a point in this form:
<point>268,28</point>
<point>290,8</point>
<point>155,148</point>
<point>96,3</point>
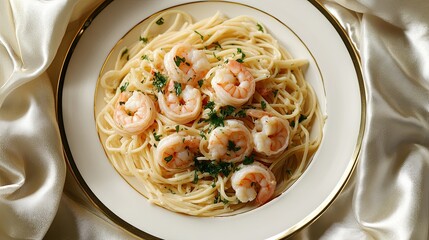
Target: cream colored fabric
<point>387,197</point>
<point>32,171</point>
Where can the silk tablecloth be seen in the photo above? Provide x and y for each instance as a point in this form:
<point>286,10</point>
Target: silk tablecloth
<point>386,198</point>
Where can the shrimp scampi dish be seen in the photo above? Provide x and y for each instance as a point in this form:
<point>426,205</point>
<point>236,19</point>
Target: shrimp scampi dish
<point>211,117</point>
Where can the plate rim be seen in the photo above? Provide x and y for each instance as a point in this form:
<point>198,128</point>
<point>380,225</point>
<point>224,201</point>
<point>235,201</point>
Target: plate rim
<point>303,223</point>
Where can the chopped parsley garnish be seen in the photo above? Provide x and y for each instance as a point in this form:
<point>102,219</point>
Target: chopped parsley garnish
<point>201,36</point>
<point>171,191</point>
<point>241,113</point>
<point>200,82</point>
<point>160,81</point>
<point>178,60</point>
<point>240,60</point>
<point>248,160</point>
<point>227,110</point>
<point>169,158</point>
<point>218,58</point>
<point>160,21</point>
<point>124,87</point>
<point>260,28</point>
<point>195,177</point>
<point>218,199</point>
<point>232,147</point>
<point>263,105</point>
<point>145,57</point>
<point>217,119</point>
<point>210,105</point>
<point>157,137</point>
<point>217,45</point>
<point>203,135</point>
<point>177,128</point>
<point>125,51</point>
<point>214,168</point>
<point>301,118</point>
<point>143,39</point>
<point>275,92</point>
<point>178,88</point>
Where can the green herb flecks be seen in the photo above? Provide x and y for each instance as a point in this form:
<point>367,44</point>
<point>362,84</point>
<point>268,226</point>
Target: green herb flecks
<point>239,51</point>
<point>145,57</point>
<point>178,60</point>
<point>300,119</point>
<point>210,105</point>
<point>232,146</point>
<point>213,168</point>
<point>227,110</point>
<point>218,199</point>
<point>124,87</point>
<point>160,21</point>
<point>195,177</point>
<point>177,128</point>
<point>203,135</point>
<point>216,119</point>
<point>143,39</point>
<point>159,81</point>
<point>200,82</point>
<point>218,58</point>
<point>201,36</point>
<point>275,92</point>
<point>248,160</point>
<point>241,113</point>
<point>260,28</point>
<point>263,105</point>
<point>156,136</point>
<point>217,45</point>
<point>169,158</point>
<point>177,88</point>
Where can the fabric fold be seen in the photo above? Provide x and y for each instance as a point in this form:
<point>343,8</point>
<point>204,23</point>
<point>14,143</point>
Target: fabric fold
<point>390,187</point>
<point>387,196</point>
<point>31,160</point>
<point>31,32</point>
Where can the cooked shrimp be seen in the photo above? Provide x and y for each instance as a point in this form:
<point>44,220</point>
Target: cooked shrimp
<point>270,135</point>
<point>176,152</point>
<point>253,181</point>
<point>181,106</point>
<point>185,64</point>
<point>257,113</point>
<point>233,85</point>
<point>134,112</point>
<point>230,143</point>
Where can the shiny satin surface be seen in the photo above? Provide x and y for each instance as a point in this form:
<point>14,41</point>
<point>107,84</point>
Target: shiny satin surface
<point>386,198</point>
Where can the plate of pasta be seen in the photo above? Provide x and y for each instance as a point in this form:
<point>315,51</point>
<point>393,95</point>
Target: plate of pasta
<point>206,119</point>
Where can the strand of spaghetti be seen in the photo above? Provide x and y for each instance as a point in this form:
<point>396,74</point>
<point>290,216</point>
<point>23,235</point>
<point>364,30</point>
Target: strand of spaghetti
<point>277,75</point>
<point>222,192</point>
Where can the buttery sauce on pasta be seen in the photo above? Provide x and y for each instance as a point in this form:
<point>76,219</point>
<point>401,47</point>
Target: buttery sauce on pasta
<point>209,117</point>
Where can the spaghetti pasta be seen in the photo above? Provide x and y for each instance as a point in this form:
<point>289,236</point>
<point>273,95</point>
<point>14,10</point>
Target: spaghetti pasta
<point>210,117</point>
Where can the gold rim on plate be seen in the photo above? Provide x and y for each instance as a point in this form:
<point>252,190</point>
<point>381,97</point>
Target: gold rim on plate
<point>316,213</point>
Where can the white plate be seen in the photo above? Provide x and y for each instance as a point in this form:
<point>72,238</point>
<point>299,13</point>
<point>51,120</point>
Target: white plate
<point>306,31</point>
